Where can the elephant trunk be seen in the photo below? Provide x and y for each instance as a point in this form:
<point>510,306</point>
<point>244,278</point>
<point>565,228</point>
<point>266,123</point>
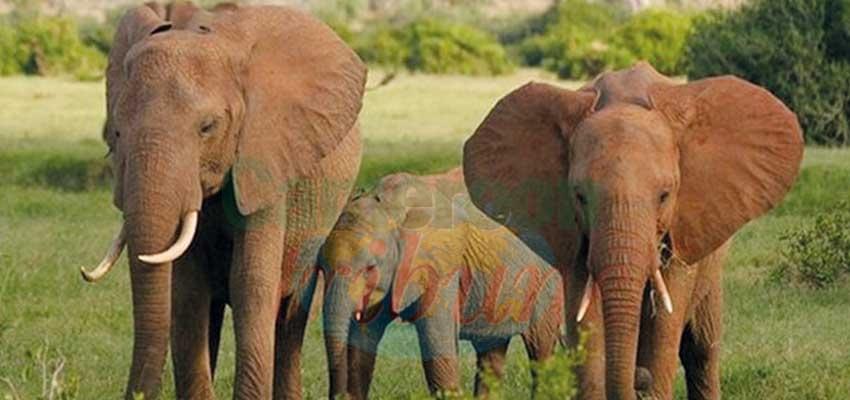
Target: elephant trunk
<point>154,201</point>
<point>151,286</point>
<point>337,311</point>
<point>621,257</point>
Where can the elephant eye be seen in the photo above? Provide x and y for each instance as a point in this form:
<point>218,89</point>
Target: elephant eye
<point>663,196</point>
<point>208,127</point>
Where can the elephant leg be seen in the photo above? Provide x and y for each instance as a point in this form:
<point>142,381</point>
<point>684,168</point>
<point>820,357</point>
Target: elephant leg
<point>191,292</point>
<point>700,349</point>
<point>438,343</point>
<point>289,331</point>
<point>591,375</point>
<point>364,339</point>
<point>661,333</point>
<point>216,321</point>
<point>540,341</point>
<point>490,360</point>
<point>254,293</point>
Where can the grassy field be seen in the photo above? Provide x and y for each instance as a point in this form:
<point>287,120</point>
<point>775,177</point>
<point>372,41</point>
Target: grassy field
<point>781,341</point>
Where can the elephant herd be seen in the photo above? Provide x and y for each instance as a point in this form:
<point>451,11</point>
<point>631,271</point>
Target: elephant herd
<point>605,211</point>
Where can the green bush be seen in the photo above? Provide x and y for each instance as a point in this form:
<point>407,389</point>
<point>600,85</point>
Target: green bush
<point>11,59</point>
<point>585,39</point>
<point>384,45</point>
<point>797,49</point>
<point>575,33</point>
<point>817,254</point>
<point>657,36</point>
<point>434,46</point>
<point>41,45</point>
<point>838,29</point>
<point>441,47</point>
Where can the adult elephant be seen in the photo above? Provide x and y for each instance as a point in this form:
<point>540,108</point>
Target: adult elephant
<point>650,179</point>
<point>236,127</point>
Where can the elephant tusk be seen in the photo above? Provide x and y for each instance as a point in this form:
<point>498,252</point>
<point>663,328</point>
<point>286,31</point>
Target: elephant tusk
<point>187,232</point>
<point>585,299</point>
<point>658,280</point>
<point>358,316</point>
<point>109,259</point>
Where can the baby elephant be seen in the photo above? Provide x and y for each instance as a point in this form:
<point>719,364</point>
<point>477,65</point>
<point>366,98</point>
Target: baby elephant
<point>415,248</point>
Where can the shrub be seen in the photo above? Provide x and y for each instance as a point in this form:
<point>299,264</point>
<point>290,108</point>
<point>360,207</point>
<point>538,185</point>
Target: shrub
<point>838,29</point>
<point>573,42</point>
<point>797,49</point>
<point>817,254</point>
<point>657,36</point>
<point>41,45</point>
<point>441,47</point>
<point>11,58</point>
<point>384,46</point>
<point>434,46</point>
<point>585,39</point>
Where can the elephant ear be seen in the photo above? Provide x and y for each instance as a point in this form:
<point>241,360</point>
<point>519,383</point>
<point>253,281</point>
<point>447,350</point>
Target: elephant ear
<point>516,163</point>
<point>303,89</point>
<point>740,151</point>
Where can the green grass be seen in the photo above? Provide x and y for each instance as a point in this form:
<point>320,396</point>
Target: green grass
<point>56,214</point>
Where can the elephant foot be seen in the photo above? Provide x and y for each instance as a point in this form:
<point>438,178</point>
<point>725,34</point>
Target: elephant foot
<point>643,383</point>
<point>643,379</point>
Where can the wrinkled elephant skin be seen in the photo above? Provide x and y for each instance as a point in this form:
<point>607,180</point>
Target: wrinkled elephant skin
<point>635,184</point>
<point>234,145</point>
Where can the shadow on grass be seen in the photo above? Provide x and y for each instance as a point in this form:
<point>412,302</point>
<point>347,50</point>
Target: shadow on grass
<point>70,174</point>
<point>82,167</point>
<point>63,166</point>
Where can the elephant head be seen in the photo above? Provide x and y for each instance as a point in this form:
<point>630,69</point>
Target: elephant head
<point>359,260</point>
<point>251,97</point>
<point>631,166</point>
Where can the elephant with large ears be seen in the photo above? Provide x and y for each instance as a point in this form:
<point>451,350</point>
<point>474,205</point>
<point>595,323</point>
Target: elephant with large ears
<point>234,147</point>
<point>414,248</point>
<point>633,185</point>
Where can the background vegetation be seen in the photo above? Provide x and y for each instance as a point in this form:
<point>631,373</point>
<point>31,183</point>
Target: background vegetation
<point>582,39</point>
<point>798,49</point>
<point>35,44</point>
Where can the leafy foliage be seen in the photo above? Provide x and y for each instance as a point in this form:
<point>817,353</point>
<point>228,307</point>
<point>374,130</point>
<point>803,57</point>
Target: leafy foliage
<point>11,59</point>
<point>657,36</point>
<point>585,39</point>
<point>797,49</point>
<point>434,46</point>
<point>817,254</point>
<point>41,45</point>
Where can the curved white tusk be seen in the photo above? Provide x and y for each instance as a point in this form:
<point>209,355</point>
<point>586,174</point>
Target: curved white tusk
<point>585,299</point>
<point>109,259</point>
<point>187,233</point>
<point>661,287</point>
